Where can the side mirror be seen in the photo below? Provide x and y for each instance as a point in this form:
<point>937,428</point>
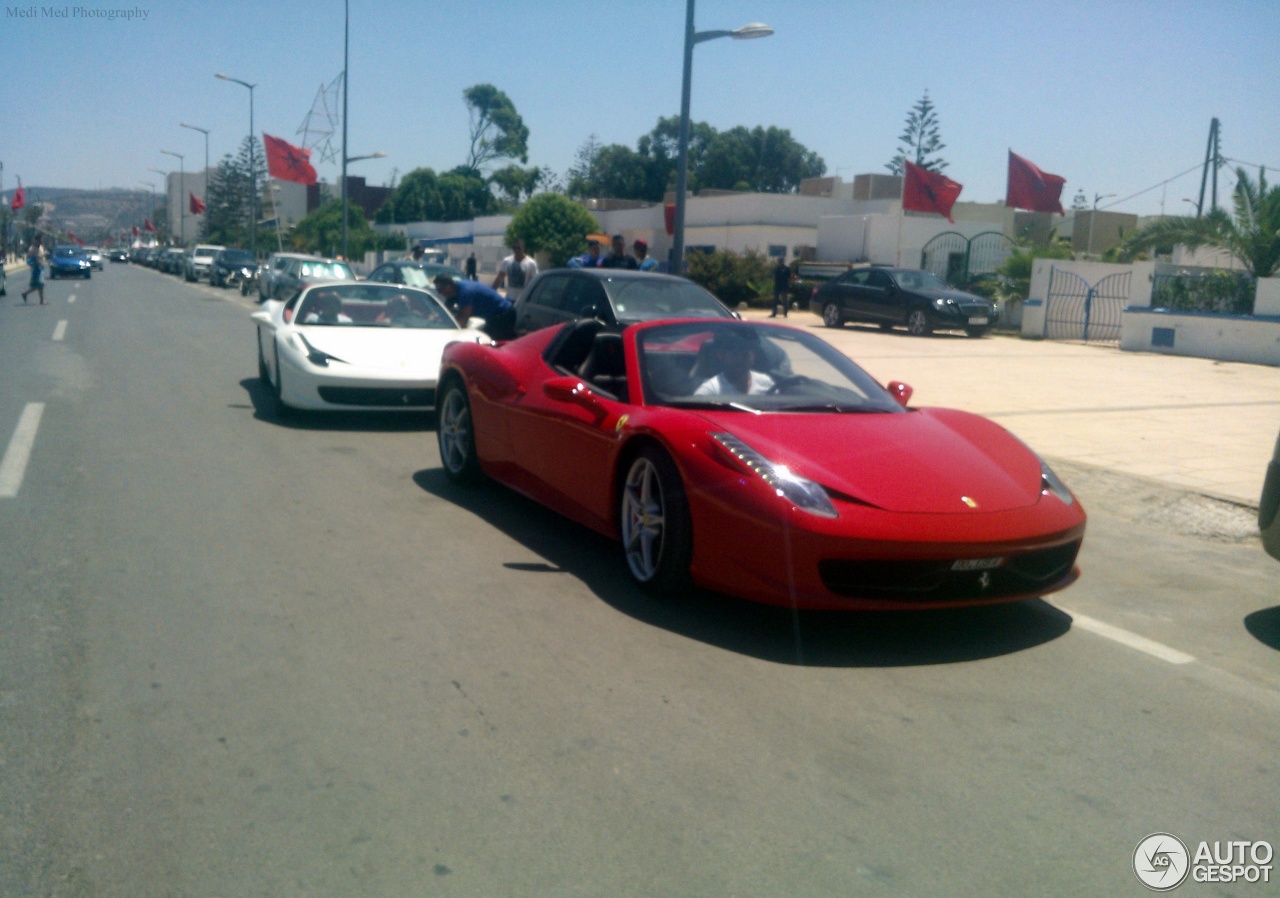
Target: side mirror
<point>901,392</point>
<point>263,317</point>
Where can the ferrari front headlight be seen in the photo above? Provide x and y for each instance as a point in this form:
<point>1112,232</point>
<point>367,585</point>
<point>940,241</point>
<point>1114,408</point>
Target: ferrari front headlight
<point>805,494</point>
<point>1050,483</point>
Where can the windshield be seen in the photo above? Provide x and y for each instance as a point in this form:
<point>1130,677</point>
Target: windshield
<point>338,271</point>
<point>425,275</point>
<point>373,305</point>
<point>68,252</point>
<point>919,280</point>
<point>753,366</point>
<point>645,299</point>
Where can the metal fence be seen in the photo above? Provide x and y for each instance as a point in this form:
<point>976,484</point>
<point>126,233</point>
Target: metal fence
<point>1078,310</point>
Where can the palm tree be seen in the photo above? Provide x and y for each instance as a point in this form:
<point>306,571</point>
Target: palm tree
<point>1252,234</point>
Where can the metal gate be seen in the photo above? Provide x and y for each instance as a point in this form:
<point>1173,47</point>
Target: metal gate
<point>958,260</point>
<point>1075,310</point>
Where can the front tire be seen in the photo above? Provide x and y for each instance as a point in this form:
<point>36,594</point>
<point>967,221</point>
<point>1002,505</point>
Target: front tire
<point>653,518</point>
<point>919,323</point>
<point>831,315</point>
<point>456,434</point>
<point>283,412</point>
<point>263,374</point>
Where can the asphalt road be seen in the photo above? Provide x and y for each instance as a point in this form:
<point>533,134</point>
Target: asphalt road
<point>246,657</point>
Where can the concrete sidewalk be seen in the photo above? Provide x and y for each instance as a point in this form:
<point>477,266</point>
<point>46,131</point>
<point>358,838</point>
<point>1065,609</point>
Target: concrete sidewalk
<point>1199,424</point>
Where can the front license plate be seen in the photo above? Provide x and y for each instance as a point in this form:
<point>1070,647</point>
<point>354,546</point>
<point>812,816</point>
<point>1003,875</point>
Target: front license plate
<point>976,564</point>
<point>977,319</point>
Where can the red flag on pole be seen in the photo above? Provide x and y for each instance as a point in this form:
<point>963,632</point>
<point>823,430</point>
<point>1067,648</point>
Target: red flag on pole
<point>19,199</point>
<point>1030,188</point>
<point>197,207</point>
<point>929,191</point>
<point>669,218</point>
<point>135,230</point>
<point>287,162</point>
<point>147,225</point>
<point>72,235</point>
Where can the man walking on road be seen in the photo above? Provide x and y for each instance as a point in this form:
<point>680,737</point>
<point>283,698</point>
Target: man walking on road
<point>515,271</point>
<point>781,288</point>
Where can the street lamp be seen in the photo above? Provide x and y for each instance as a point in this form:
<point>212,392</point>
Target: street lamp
<point>152,185</point>
<point>253,168</point>
<point>346,160</point>
<point>1097,198</point>
<point>182,185</point>
<point>691,38</point>
<point>1194,203</point>
<point>205,132</point>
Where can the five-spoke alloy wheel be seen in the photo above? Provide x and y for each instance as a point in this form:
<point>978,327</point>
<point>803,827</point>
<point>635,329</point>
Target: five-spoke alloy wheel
<point>653,518</point>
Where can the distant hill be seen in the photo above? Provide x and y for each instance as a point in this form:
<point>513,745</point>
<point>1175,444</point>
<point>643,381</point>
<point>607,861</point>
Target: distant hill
<point>92,214</point>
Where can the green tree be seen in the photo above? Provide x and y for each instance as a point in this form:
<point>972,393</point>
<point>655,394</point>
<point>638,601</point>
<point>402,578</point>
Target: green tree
<point>1015,271</point>
<point>1251,233</point>
<point>552,223</point>
<point>515,183</point>
<point>920,140</point>
<point>321,232</point>
<point>423,195</point>
<point>767,160</point>
<point>497,130</point>
<point>229,198</point>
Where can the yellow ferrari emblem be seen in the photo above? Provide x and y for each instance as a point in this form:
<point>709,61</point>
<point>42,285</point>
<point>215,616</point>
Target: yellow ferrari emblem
<point>621,422</point>
<point>972,503</point>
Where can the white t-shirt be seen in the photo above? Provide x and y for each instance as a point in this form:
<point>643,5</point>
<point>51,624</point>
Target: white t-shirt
<point>517,275</point>
<point>716,386</point>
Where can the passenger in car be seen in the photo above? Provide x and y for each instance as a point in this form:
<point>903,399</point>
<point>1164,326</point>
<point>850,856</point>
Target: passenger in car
<point>735,353</point>
<point>326,308</point>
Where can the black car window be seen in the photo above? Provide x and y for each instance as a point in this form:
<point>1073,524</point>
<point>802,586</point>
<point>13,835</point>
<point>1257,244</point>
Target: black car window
<point>381,274</point>
<point>855,278</point>
<point>878,279</point>
<point>551,293</point>
<point>644,299</point>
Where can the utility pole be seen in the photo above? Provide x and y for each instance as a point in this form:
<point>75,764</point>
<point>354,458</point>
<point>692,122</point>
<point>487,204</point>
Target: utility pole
<point>1212,158</point>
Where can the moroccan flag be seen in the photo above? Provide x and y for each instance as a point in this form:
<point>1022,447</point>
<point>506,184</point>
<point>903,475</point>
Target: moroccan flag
<point>135,230</point>
<point>928,191</point>
<point>19,199</point>
<point>72,235</point>
<point>148,226</point>
<point>669,218</point>
<point>196,206</point>
<point>1030,188</point>
<point>287,162</point>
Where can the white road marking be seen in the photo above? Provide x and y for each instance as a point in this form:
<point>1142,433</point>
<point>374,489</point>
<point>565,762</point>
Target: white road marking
<point>1132,640</point>
<point>14,465</point>
<point>60,330</point>
<point>71,298</point>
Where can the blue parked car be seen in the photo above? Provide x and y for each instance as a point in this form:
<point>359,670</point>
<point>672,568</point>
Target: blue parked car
<point>69,262</point>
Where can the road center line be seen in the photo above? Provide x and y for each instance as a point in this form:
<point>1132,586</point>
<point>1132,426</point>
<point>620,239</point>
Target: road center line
<point>1132,640</point>
<point>14,465</point>
<point>60,330</point>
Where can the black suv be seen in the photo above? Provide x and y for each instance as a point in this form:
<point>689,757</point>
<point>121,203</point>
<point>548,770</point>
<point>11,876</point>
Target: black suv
<point>902,296</point>
<point>229,264</point>
<point>616,296</point>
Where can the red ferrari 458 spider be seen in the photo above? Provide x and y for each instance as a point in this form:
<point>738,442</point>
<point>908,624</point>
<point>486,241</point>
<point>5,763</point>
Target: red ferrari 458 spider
<point>756,460</point>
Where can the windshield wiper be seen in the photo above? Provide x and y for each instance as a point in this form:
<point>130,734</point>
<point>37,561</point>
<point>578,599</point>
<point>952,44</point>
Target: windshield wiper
<point>828,407</point>
<point>702,404</point>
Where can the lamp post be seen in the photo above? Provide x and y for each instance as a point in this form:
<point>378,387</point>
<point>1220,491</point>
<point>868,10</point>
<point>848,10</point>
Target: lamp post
<point>205,132</point>
<point>182,185</point>
<point>1097,198</point>
<point>1193,203</point>
<point>253,168</point>
<point>345,161</point>
<point>167,223</point>
<point>692,38</point>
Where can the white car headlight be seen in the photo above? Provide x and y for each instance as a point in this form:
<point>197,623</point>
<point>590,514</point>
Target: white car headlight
<point>801,492</point>
<point>1050,483</point>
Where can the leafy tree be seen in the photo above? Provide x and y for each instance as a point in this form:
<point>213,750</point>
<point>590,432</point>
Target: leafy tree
<point>515,183</point>
<point>661,150</point>
<point>920,140</point>
<point>552,223</point>
<point>765,160</point>
<point>1251,233</point>
<point>321,231</point>
<point>497,130</point>
<point>425,196</point>
<point>229,197</point>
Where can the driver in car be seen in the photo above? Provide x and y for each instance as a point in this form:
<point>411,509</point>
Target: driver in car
<point>735,353</point>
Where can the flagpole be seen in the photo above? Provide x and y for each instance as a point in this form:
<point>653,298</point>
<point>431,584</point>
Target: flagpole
<point>902,213</point>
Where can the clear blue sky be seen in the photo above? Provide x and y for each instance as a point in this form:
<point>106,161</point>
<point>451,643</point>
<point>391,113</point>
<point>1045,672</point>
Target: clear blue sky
<point>1114,96</point>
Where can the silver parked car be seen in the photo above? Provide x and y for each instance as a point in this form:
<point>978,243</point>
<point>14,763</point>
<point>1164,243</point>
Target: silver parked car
<point>271,269</point>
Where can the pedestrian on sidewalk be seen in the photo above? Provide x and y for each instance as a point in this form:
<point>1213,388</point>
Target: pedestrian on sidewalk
<point>781,288</point>
<point>471,267</point>
<point>515,271</point>
<point>35,261</point>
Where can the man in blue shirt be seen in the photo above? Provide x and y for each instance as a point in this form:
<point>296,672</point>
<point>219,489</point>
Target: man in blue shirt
<point>474,298</point>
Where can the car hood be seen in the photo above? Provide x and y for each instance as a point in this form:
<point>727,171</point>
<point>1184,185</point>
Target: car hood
<point>386,348</point>
<point>927,461</point>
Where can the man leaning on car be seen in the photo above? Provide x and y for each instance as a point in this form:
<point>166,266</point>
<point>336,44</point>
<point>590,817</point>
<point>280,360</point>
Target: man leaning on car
<point>473,297</point>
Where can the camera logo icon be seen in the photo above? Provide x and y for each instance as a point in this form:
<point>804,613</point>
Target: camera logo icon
<point>1161,862</point>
